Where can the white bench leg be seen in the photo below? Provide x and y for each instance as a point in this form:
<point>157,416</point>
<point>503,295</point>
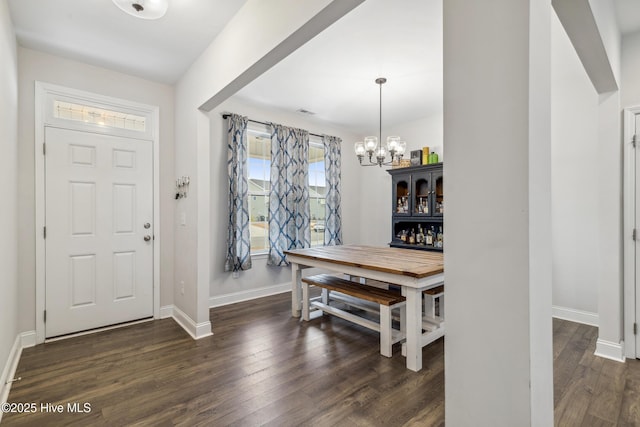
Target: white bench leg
<point>403,320</point>
<point>325,296</point>
<point>441,307</point>
<point>385,331</point>
<point>296,275</point>
<point>305,301</point>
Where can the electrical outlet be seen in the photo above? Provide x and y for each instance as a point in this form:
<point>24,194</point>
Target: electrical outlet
<point>182,287</point>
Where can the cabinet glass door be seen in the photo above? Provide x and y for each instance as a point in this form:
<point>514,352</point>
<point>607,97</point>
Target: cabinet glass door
<point>438,194</point>
<point>401,202</point>
<point>422,195</point>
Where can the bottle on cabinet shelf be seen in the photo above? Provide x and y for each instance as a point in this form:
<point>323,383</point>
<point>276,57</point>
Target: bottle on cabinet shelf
<point>429,238</point>
<point>420,236</point>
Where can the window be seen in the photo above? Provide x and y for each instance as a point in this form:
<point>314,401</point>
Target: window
<point>317,191</point>
<point>259,186</point>
<point>98,116</point>
<point>259,162</point>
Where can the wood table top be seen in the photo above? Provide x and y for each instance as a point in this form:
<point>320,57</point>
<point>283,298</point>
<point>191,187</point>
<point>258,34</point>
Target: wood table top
<point>406,262</point>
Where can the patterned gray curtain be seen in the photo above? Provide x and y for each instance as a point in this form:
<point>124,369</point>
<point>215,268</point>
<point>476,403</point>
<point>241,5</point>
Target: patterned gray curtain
<point>333,215</point>
<point>238,239</point>
<point>289,209</point>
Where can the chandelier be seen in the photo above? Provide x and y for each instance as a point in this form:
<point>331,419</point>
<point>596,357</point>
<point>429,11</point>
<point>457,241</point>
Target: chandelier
<point>372,145</point>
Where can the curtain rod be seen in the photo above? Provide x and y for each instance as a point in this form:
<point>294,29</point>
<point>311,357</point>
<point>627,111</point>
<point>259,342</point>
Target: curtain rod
<point>226,116</point>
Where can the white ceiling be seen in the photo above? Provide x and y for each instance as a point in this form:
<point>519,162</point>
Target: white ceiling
<point>332,75</point>
<point>98,33</point>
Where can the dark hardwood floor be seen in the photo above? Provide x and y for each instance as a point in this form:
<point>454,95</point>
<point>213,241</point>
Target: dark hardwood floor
<point>262,367</point>
<point>590,390</point>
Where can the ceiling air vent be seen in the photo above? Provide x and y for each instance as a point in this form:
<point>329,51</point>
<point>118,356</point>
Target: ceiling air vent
<point>307,112</point>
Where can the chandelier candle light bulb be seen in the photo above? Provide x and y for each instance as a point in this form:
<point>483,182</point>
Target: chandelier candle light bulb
<point>370,142</point>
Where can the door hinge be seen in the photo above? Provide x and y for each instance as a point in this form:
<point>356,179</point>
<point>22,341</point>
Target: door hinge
<point>44,231</point>
<point>45,316</point>
<point>633,141</point>
<point>634,234</point>
<point>44,148</point>
<point>635,329</point>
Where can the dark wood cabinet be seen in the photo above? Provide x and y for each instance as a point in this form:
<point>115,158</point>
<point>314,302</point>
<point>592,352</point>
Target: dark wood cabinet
<point>417,204</point>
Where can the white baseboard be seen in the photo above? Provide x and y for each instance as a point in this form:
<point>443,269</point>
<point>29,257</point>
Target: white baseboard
<point>577,316</point>
<point>232,298</point>
<point>610,350</point>
<point>196,330</point>
<point>166,311</point>
<point>28,339</point>
<point>9,370</point>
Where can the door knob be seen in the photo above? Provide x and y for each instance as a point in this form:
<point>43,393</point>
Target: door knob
<point>147,225</point>
<point>147,238</point>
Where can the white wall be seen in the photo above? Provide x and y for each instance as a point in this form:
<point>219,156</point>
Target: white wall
<point>261,275</point>
<point>424,132</point>
<point>604,13</point>
<point>609,189</point>
<point>375,183</point>
<point>9,176</point>
<point>594,32</point>
<point>575,165</point>
<point>631,70</point>
<point>34,65</point>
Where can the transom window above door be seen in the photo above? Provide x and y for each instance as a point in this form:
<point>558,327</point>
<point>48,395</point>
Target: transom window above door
<point>71,109</point>
<point>98,116</point>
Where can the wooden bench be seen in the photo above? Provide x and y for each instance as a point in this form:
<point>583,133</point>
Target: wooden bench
<point>386,300</point>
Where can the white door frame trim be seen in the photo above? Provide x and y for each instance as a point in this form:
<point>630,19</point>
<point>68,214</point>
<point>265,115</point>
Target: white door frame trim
<point>43,118</point>
<point>628,245</point>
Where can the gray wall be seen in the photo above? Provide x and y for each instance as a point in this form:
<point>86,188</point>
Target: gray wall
<point>574,154</point>
<point>9,177</point>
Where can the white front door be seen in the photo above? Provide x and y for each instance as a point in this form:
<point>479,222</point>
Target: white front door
<point>99,230</point>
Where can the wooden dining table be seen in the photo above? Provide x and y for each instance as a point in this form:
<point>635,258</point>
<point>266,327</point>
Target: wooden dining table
<point>413,270</point>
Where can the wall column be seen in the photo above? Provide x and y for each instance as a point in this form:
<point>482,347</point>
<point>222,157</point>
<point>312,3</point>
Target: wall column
<point>498,352</point>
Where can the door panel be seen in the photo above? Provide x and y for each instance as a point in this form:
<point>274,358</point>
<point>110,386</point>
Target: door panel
<point>99,195</point>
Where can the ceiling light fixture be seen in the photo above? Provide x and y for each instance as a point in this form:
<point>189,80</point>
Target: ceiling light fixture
<point>145,9</point>
<point>373,145</point>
